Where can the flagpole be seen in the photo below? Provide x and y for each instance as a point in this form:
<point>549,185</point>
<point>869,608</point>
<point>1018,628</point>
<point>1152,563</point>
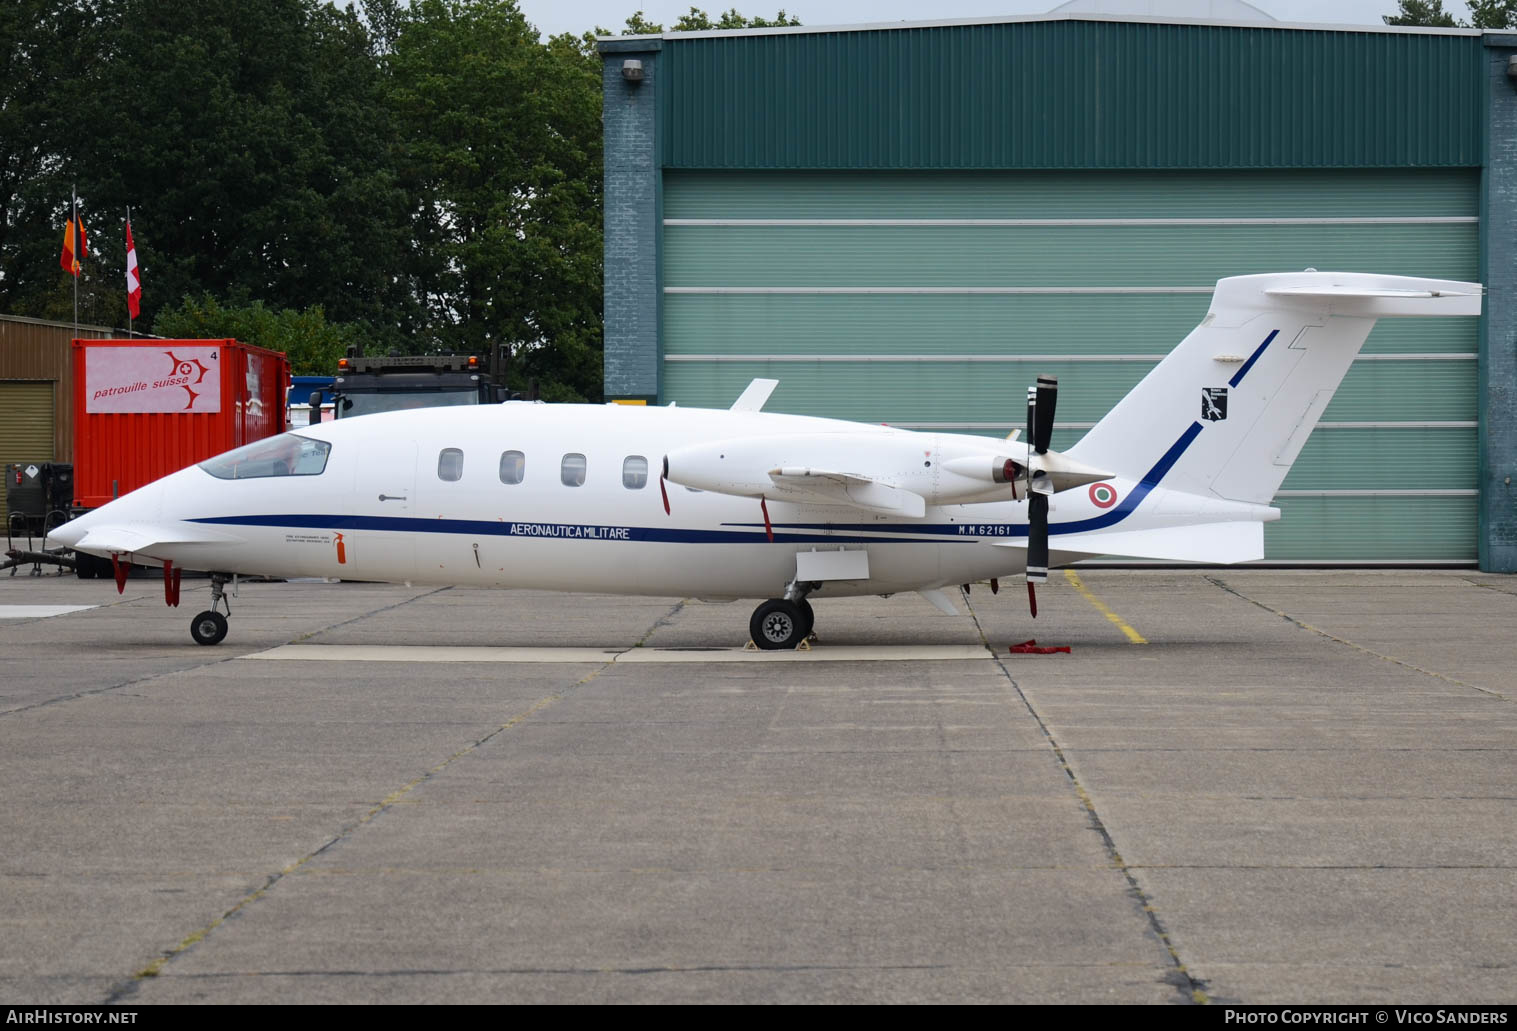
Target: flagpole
<point>129,299</point>
<point>74,214</point>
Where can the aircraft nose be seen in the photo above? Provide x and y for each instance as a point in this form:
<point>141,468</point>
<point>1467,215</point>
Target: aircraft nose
<point>72,532</point>
<point>142,505</point>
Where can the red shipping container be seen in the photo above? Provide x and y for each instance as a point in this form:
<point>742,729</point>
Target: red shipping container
<point>147,408</point>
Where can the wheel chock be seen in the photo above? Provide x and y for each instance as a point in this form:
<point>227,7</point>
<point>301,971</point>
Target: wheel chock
<point>1031,647</point>
<point>750,646</point>
<point>804,646</point>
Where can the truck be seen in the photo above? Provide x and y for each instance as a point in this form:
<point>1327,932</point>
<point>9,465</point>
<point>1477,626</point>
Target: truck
<point>367,385</point>
<point>147,408</point>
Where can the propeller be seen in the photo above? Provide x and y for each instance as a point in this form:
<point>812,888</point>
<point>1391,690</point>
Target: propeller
<point>1040,409</point>
<point>662,490</point>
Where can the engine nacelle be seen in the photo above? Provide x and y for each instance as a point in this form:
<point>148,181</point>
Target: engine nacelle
<point>833,468</point>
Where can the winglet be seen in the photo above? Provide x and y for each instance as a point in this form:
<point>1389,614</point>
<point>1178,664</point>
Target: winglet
<point>753,398</point>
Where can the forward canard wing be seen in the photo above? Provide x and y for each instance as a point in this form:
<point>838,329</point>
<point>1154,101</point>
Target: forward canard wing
<point>143,538</point>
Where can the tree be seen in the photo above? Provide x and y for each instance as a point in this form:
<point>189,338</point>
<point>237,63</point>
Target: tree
<point>503,168</point>
<point>699,21</point>
<point>1484,14</point>
<point>47,53</point>
<point>1422,12</point>
<point>312,343</point>
<point>1493,14</point>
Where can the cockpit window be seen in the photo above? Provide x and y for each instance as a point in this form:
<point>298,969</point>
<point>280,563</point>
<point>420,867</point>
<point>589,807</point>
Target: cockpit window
<point>288,454</point>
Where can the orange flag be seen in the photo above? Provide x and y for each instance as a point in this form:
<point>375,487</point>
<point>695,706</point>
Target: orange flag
<point>69,259</point>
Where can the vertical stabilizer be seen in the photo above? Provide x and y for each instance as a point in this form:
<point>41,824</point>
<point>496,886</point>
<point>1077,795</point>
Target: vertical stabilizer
<point>1228,411</point>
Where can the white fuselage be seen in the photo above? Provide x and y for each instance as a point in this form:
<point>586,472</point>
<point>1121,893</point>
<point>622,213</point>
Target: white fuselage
<point>399,520</point>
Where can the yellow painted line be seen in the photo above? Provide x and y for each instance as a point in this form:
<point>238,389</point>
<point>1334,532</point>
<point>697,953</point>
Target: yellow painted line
<point>1074,581</point>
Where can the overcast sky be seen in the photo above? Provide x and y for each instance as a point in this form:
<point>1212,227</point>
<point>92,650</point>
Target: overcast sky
<point>554,16</point>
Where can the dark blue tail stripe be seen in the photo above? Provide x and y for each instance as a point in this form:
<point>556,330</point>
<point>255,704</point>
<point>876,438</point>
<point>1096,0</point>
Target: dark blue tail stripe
<point>1238,376</point>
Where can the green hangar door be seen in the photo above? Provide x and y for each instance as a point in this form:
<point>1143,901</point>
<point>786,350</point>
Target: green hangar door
<point>932,300</point>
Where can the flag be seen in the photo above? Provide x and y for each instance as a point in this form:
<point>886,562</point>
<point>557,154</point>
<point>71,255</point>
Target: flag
<point>69,259</point>
<point>133,281</point>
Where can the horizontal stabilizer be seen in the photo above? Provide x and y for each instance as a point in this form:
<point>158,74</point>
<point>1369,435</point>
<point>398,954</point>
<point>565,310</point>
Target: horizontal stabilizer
<point>1211,543</point>
<point>1360,296</point>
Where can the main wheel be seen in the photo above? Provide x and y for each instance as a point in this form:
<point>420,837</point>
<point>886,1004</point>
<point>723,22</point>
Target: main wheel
<point>208,628</point>
<point>808,618</point>
<point>87,567</point>
<point>778,624</point>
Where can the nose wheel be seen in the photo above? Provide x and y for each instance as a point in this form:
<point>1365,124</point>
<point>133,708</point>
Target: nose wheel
<point>210,627</point>
<point>779,624</point>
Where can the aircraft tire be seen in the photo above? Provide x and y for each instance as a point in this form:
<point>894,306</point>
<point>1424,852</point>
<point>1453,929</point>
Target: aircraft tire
<point>84,566</point>
<point>208,627</point>
<point>808,617</point>
<point>778,624</point>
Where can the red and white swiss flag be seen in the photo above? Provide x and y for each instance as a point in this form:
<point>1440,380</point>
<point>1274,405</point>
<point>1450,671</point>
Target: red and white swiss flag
<point>133,281</point>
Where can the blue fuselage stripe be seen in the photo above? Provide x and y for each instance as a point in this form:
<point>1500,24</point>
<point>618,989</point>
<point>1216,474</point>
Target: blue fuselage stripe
<point>742,533</point>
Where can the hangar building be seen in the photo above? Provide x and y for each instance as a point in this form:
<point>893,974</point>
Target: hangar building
<point>907,223</point>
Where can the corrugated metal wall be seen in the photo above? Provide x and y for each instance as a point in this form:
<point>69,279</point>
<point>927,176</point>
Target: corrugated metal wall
<point>1071,93</point>
<point>31,349</point>
<point>933,299</point>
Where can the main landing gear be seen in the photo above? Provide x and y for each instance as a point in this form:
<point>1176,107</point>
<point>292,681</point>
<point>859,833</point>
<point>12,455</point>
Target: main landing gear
<point>783,623</point>
<point>210,627</point>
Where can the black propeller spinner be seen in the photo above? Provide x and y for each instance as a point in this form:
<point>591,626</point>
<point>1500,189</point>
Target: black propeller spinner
<point>1040,409</point>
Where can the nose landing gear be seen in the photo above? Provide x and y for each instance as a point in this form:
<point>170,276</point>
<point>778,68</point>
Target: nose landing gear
<point>210,627</point>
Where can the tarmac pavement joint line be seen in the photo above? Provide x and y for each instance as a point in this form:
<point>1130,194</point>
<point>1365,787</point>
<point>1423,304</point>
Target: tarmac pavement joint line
<point>1133,636</point>
<point>619,656</point>
<point>1195,990</point>
<point>155,968</point>
<point>1357,647</point>
<point>194,666</point>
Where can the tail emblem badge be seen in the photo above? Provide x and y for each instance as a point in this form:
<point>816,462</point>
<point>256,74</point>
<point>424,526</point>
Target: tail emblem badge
<point>1214,403</point>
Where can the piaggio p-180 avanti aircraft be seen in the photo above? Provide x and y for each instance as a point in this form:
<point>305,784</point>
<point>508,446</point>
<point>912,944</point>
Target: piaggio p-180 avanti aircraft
<point>739,503</point>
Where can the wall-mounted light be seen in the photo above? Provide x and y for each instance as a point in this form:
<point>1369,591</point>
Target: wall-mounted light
<point>632,71</point>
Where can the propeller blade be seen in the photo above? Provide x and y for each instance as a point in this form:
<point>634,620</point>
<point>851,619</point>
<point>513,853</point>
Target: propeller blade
<point>663,492</point>
<point>769,530</point>
<point>1037,538</point>
<point>1047,394</point>
<point>1032,412</point>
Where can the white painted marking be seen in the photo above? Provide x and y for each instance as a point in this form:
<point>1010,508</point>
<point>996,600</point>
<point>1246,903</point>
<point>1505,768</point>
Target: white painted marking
<point>822,653</point>
<point>40,611</point>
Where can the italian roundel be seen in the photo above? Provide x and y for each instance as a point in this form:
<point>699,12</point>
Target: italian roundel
<point>1103,495</point>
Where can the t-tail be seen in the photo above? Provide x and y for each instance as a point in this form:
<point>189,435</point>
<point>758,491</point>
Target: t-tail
<point>1208,436</point>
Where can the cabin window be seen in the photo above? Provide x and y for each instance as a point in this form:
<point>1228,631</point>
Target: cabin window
<point>572,471</point>
<point>285,455</point>
<point>634,472</point>
<point>513,466</point>
<point>450,464</point>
